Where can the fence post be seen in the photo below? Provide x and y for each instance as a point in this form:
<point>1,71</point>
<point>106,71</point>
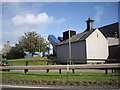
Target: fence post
<point>26,70</point>
<point>73,71</point>
<point>112,71</point>
<point>106,70</point>
<point>47,70</point>
<point>60,71</point>
<point>105,61</point>
<point>47,62</point>
<point>26,63</point>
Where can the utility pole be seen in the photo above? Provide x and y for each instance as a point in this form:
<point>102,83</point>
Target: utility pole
<point>69,48</point>
<point>119,21</point>
<point>69,59</point>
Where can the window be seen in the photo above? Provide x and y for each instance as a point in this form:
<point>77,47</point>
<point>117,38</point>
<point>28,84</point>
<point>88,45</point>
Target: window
<point>97,35</point>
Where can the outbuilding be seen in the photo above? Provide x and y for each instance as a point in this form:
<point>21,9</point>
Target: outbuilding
<point>90,44</point>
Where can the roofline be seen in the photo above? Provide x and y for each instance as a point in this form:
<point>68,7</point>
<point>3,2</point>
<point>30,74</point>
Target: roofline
<point>69,30</point>
<point>71,42</point>
<point>79,40</point>
<point>115,45</point>
<point>109,25</point>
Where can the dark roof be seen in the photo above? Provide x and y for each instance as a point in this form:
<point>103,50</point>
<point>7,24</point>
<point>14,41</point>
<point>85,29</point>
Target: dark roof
<point>60,38</point>
<point>109,30</point>
<point>115,45</point>
<point>78,37</point>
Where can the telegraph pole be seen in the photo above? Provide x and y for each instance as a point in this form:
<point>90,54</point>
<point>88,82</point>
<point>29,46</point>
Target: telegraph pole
<point>119,22</point>
<point>69,49</point>
<point>69,59</point>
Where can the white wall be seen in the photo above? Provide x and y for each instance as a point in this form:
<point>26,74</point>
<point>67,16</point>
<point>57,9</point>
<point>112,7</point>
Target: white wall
<point>112,41</point>
<point>77,51</point>
<point>96,46</point>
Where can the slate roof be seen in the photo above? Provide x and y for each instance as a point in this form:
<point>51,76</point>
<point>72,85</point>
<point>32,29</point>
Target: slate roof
<point>78,37</point>
<point>109,30</point>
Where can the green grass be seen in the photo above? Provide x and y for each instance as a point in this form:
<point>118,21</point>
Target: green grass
<point>83,76</point>
<point>30,58</point>
<point>54,79</point>
<point>22,63</point>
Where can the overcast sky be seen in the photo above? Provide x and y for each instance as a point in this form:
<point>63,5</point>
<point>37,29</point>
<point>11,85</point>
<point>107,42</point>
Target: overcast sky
<point>52,17</point>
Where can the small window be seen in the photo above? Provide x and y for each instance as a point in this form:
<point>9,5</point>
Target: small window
<point>97,35</point>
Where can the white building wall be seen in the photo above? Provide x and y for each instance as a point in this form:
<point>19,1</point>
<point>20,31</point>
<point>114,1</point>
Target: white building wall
<point>96,46</point>
<point>77,51</point>
<point>112,41</point>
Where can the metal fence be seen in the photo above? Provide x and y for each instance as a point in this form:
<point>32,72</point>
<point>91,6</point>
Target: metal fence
<point>70,61</point>
<point>109,64</point>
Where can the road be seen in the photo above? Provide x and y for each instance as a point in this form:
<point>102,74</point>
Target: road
<point>11,87</point>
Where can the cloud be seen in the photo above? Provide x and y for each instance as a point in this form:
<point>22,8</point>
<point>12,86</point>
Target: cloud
<point>99,12</point>
<point>16,26</point>
<point>61,20</point>
<point>41,19</point>
<point>18,18</point>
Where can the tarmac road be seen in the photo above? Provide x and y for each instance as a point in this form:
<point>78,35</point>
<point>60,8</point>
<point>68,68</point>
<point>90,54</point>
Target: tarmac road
<point>11,87</point>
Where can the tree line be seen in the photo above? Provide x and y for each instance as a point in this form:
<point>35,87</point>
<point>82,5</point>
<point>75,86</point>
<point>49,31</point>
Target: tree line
<point>29,42</point>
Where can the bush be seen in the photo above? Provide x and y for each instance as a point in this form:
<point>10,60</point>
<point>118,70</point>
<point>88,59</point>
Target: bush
<point>15,53</point>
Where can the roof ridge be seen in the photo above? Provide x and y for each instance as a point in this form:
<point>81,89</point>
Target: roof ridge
<point>78,37</point>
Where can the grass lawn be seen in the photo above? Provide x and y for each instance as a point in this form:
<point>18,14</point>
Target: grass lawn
<point>22,62</point>
<point>78,76</point>
<point>54,78</point>
<point>28,59</point>
<point>79,79</point>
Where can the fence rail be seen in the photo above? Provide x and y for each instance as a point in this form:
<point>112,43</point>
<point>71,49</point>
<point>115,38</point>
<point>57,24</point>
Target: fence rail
<point>86,66</point>
<point>68,60</point>
<point>59,67</point>
<point>90,64</point>
<point>73,61</point>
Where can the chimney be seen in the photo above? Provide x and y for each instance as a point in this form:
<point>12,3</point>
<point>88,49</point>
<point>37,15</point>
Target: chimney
<point>8,43</point>
<point>60,38</point>
<point>66,34</point>
<point>89,24</point>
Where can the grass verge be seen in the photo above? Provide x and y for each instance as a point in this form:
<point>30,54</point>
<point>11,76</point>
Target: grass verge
<point>22,62</point>
<point>84,79</point>
<point>29,58</point>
